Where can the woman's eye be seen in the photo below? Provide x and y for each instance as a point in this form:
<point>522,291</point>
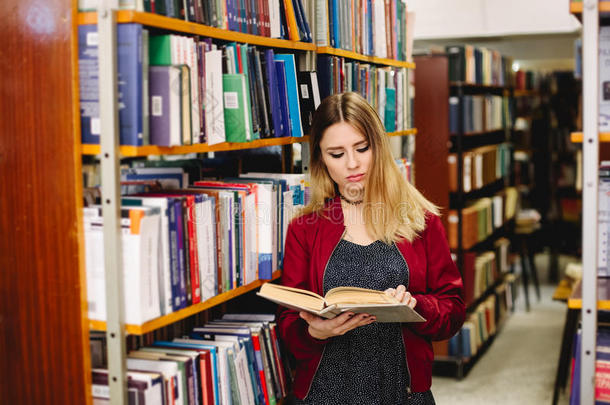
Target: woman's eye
<point>336,155</point>
<point>362,150</point>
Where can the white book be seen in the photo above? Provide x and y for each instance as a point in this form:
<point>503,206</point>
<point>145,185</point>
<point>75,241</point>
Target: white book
<point>252,239</point>
<point>210,288</point>
<point>165,284</point>
<point>321,23</point>
<point>152,393</point>
<point>274,18</point>
<point>191,61</point>
<point>140,244</point>
<point>170,372</point>
<point>214,108</point>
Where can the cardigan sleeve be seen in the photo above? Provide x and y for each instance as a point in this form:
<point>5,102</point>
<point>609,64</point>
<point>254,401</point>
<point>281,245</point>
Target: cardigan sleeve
<point>293,329</point>
<point>442,305</point>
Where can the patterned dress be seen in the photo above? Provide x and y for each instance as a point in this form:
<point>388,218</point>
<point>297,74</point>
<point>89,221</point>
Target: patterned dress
<point>367,364</point>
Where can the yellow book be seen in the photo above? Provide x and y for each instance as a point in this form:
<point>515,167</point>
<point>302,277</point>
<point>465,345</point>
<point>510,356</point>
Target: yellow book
<point>291,21</point>
<point>339,300</point>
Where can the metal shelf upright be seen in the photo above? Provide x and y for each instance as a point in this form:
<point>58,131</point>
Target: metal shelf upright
<point>590,36</point>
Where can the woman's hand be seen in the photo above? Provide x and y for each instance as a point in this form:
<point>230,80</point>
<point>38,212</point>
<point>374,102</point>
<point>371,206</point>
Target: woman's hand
<point>402,295</point>
<point>322,329</point>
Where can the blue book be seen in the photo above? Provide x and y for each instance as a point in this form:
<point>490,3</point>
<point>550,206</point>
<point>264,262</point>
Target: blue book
<point>325,75</point>
<point>334,23</point>
<point>130,79</point>
<point>179,215</point>
<point>283,97</point>
<point>213,354</point>
<point>272,85</point>
<point>174,255</point>
<point>292,88</point>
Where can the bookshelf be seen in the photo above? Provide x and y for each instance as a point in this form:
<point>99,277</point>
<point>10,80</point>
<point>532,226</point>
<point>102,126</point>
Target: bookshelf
<point>111,154</point>
<point>140,151</point>
<point>190,28</point>
<point>433,155</point>
<point>576,7</point>
<point>169,319</point>
<point>577,137</point>
<point>43,310</point>
<point>603,297</point>
<point>365,58</point>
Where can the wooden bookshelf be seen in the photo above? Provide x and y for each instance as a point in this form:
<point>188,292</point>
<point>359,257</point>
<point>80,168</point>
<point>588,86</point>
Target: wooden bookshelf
<point>576,7</point>
<point>603,295</point>
<point>186,312</point>
<point>412,131</point>
<point>525,93</point>
<point>491,131</point>
<point>477,86</point>
<point>148,150</point>
<point>576,137</point>
<point>366,58</point>
<point>139,151</point>
<point>176,25</point>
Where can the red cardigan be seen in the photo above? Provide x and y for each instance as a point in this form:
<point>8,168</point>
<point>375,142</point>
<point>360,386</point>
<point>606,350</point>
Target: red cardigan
<point>434,281</point>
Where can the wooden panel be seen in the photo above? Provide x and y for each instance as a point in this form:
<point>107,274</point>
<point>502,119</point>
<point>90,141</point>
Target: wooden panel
<point>431,116</point>
<point>43,342</point>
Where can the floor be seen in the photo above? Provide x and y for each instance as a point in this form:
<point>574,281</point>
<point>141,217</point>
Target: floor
<point>520,366</point>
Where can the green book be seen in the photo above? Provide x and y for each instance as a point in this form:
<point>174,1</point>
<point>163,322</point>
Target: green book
<point>160,50</point>
<point>236,111</point>
<point>390,110</point>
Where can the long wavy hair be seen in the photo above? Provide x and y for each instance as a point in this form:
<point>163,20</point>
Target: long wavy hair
<point>393,208</point>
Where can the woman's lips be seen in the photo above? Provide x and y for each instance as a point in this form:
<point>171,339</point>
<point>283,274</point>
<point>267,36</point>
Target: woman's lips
<point>356,177</point>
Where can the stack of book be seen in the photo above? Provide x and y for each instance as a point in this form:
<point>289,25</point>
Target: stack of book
<point>481,166</point>
<point>385,88</point>
<point>481,113</point>
<point>369,27</point>
<point>472,65</point>
<point>482,217</point>
<point>233,360</point>
<point>284,19</point>
<point>179,90</point>
<point>185,243</point>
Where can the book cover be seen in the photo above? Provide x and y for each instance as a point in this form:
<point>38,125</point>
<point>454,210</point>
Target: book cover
<point>236,112</point>
<point>165,105</point>
<point>214,108</point>
<point>130,82</point>
<point>293,94</point>
<point>283,97</point>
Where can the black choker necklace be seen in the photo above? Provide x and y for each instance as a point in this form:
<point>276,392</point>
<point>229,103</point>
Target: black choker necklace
<point>349,201</point>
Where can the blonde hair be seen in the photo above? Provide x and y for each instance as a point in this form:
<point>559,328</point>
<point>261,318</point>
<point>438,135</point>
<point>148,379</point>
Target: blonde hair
<point>393,208</point>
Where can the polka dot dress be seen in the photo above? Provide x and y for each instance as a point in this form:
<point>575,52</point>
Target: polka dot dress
<point>366,365</point>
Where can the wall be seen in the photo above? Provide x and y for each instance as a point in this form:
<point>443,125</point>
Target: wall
<point>484,18</point>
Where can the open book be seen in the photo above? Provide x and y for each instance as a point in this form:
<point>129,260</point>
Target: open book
<point>341,299</point>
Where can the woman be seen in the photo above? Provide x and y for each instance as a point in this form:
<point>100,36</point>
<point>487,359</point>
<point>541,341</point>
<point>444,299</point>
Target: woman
<point>365,226</point>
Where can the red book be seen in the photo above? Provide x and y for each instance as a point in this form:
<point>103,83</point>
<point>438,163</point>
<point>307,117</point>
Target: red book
<point>261,371</point>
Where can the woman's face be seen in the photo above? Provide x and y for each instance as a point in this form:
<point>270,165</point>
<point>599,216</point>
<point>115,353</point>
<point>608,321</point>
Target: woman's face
<point>348,158</point>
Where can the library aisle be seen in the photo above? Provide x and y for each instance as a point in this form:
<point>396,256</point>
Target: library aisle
<point>520,366</point>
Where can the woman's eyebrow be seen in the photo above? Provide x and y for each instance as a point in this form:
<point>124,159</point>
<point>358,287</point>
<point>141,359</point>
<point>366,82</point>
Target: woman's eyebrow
<point>341,147</point>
